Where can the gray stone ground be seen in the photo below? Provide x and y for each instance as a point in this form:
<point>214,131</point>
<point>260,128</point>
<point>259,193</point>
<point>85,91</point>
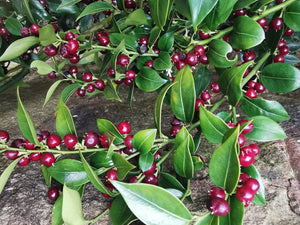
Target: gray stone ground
<point>24,200</point>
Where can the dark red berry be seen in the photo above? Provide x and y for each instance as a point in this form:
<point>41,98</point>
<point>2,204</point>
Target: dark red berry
<point>203,35</point>
<point>43,3</point>
<point>251,84</point>
<point>191,59</point>
<point>252,184</point>
<point>45,134</point>
<point>277,23</point>
<point>74,59</point>
<point>249,56</point>
<point>128,141</point>
<point>226,38</point>
<point>100,85</point>
<point>90,88</point>
<point>259,88</point>
<point>72,46</point>
<point>129,4</point>
<point>175,121</point>
<point>24,31</point>
<point>150,179</point>
<point>128,151</point>
<point>149,63</point>
<point>4,136</point>
<point>70,140</point>
<point>124,127</point>
<point>127,81</point>
<point>104,40</point>
<point>279,1</point>
<point>11,154</point>
<point>281,43</point>
<point>69,36</point>
<point>240,12</point>
<point>199,50</point>
<point>243,178</point>
<point>73,70</point>
<point>64,51</point>
<point>198,102</point>
<point>278,59</point>
<point>53,140</point>
<point>143,40</point>
<point>174,130</point>
<point>203,59</point>
<point>230,124</point>
<point>50,50</point>
<point>133,179</point>
<point>103,141</point>
<point>91,139</point>
<point>205,95</point>
<point>35,156</point>
<point>28,145</point>
<point>157,155</point>
<point>255,149</point>
<point>55,27</point>
<point>53,193</point>
<point>111,175</point>
<point>130,74</point>
<point>111,72</point>
<point>288,32</point>
<point>151,170</point>
<point>284,50</point>
<point>122,60</point>
<point>24,161</point>
<point>248,128</point>
<point>51,75</point>
<point>215,87</point>
<point>241,140</point>
<point>80,92</point>
<point>245,195</point>
<point>218,206</point>
<point>263,22</point>
<point>34,29</point>
<point>110,187</point>
<point>246,157</point>
<point>4,32</point>
<point>180,64</point>
<point>100,34</point>
<point>47,159</point>
<point>88,77</point>
<point>251,93</point>
<point>175,57</point>
<point>217,192</point>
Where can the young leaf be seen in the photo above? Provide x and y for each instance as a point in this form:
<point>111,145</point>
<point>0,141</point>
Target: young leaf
<point>265,129</point>
<point>95,7</point>
<point>202,79</point>
<point>183,95</point>
<point>105,126</point>
<point>148,80</point>
<point>68,91</point>
<point>291,16</point>
<point>160,10</point>
<point>119,212</point>
<point>43,67</point>
<point>212,126</point>
<point>25,123</point>
<point>51,91</point>
<point>224,166</point>
<point>163,62</point>
<point>47,35</point>
<point>145,161</point>
<point>13,26</point>
<point>18,47</point>
<point>280,77</point>
<point>143,140</point>
<point>71,207</point>
<point>262,107</point>
<point>57,212</point>
<point>136,18</point>
<point>165,42</point>
<point>64,121</point>
<point>123,166</point>
<point>161,206</point>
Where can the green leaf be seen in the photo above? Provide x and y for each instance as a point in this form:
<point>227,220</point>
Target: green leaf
<point>198,163</point>
<point>25,123</point>
<point>183,95</point>
<point>246,33</point>
<point>143,140</point>
<point>13,26</point>
<point>101,159</point>
<point>166,180</point>
<point>47,35</point>
<point>265,129</point>
<point>230,83</point>
<point>64,121</point>
<point>200,9</point>
<point>181,136</point>
<point>105,126</point>
<point>202,79</point>
<point>65,3</point>
<point>224,166</point>
<point>95,7</point>
<point>57,212</point>
<point>160,11</point>
<point>141,61</point>
<point>154,34</point>
<point>6,173</point>
<point>208,219</point>
<point>236,213</point>
<point>51,91</point>
<point>291,16</point>
<point>259,198</point>
<point>158,107</point>
<point>68,171</point>
<point>163,62</point>
<point>165,42</point>
<point>42,67</point>
<point>148,80</point>
<point>280,77</point>
<point>136,18</point>
<point>243,4</point>
<point>46,175</point>
<point>212,126</point>
<point>161,206</point>
<point>129,41</point>
<point>123,166</point>
<point>145,161</point>
<point>68,91</point>
<point>54,4</point>
<point>217,54</point>
<point>261,107</point>
<point>71,207</point>
<point>18,47</point>
<point>119,212</point>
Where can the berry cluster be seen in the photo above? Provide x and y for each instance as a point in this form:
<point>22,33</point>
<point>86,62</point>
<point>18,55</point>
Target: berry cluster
<point>217,203</point>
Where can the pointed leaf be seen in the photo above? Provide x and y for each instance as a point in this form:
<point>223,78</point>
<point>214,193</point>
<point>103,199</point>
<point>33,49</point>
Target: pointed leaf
<point>119,212</point>
<point>105,126</point>
<point>208,219</point>
<point>123,166</point>
<point>161,206</point>
<point>65,3</point>
<point>47,35</point>
<point>154,34</point>
<point>148,80</point>
<point>95,7</point>
<point>163,62</point>
<point>202,79</point>
<point>145,161</point>
<point>43,67</point>
<point>291,16</point>
<point>46,175</point>
<point>236,213</point>
<point>68,91</point>
<point>111,91</point>
<point>136,18</point>
<point>165,42</point>
<point>166,180</point>
<point>160,10</point>
<point>181,136</point>
<point>51,91</point>
<point>13,26</point>
<point>143,140</point>
<point>64,120</point>
<point>57,212</point>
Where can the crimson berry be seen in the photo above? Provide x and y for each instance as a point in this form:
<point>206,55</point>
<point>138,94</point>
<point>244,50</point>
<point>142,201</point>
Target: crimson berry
<point>175,121</point>
<point>251,84</point>
<point>73,70</point>
<point>199,50</point>
<point>50,50</point>
<point>128,141</point>
<point>88,77</point>
<point>43,3</point>
<point>28,145</point>
<point>72,46</point>
<point>47,159</point>
<point>24,161</point>
<point>180,64</point>
<point>111,72</point>
<point>4,32</point>
<point>4,136</point>
<point>45,134</point>
<point>55,27</point>
<point>277,23</point>
<point>205,95</point>
<point>252,184</point>
<point>284,50</point>
<point>203,59</point>
<point>149,63</point>
<point>133,179</point>
<point>35,156</point>
<point>74,59</point>
<point>281,43</point>
<point>91,139</point>
<point>217,192</point>
<point>218,206</point>
<point>191,59</point>
<point>246,158</point>
<point>279,1</point>
<point>122,60</point>
<point>150,179</point>
<point>230,124</point>
<point>240,12</point>
<point>151,170</point>
<point>70,140</point>
<point>51,75</point>
<point>128,151</point>
<point>24,31</point>
<point>255,149</point>
<point>248,128</point>
<point>241,140</point>
<point>100,34</point>
<point>174,130</point>
<point>198,102</point>
<point>203,35</point>
<point>34,29</point>
<point>130,74</point>
<point>127,81</point>
<point>111,175</point>
<point>226,38</point>
<point>144,40</point>
<point>100,85</point>
<point>249,56</point>
<point>175,57</point>
<point>53,193</point>
<point>156,50</point>
<point>251,93</point>
<point>104,40</point>
<point>215,87</point>
<point>90,88</point>
<point>11,154</point>
<point>157,155</point>
<point>103,141</point>
<point>245,195</point>
<point>69,36</point>
<point>243,178</point>
<point>288,32</point>
<point>110,187</point>
<point>80,92</point>
<point>262,21</point>
<point>64,51</point>
<point>129,4</point>
<point>278,59</point>
<point>53,140</point>
<point>124,127</point>
<point>259,88</point>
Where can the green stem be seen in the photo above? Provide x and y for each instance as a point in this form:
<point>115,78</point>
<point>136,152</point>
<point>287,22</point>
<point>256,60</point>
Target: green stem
<point>233,116</point>
<point>165,156</point>
<point>188,190</point>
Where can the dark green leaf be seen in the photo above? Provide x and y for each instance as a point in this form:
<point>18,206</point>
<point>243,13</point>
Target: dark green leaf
<point>236,213</point>
<point>6,173</point>
<point>265,129</point>
<point>291,16</point>
<point>111,91</point>
<point>64,121</point>
<point>102,159</point>
<point>143,140</point>
<point>154,34</point>
<point>105,126</point>
<point>136,18</point>
<point>42,67</point>
<point>13,26</point>
<point>165,42</point>
<point>119,212</point>
<point>25,123</point>
<point>65,3</point>
<point>207,219</point>
<point>129,40</point>
<point>262,107</point>
<point>181,136</point>
<point>14,80</point>
<point>38,11</point>
<point>224,116</point>
<point>224,166</point>
<point>160,11</point>
<point>47,35</point>
<point>57,212</point>
<point>197,139</point>
<point>148,80</point>
<point>230,82</point>
<point>161,206</point>
<point>183,95</point>
<point>163,62</point>
<point>246,33</point>
<point>243,4</point>
<point>280,77</point>
<point>202,79</point>
<point>54,4</point>
<point>95,7</point>
<point>68,91</point>
<point>18,47</point>
<point>145,161</point>
<point>166,180</point>
<point>183,8</point>
<point>123,166</point>
<point>141,61</point>
<point>217,54</point>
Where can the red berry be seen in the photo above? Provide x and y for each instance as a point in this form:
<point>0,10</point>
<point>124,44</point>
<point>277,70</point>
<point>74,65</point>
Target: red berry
<point>133,179</point>
<point>47,159</point>
<point>175,57</point>
<point>100,85</point>
<point>51,75</point>
<point>128,141</point>
<point>198,102</point>
<point>90,88</point>
<point>279,1</point>
<point>111,72</point>
<point>74,59</point>
<point>241,140</point>
<point>88,77</point>
<point>128,151</point>
<point>240,12</point>
<point>251,93</point>
<point>157,155</point>
<point>281,43</point>
<point>249,56</point>
<point>252,184</point>
<point>251,84</point>
<point>151,170</point>
<point>53,140</point>
<point>34,29</point>
<point>246,158</point>
<point>72,46</point>
<point>24,31</point>
<point>110,187</point>
<point>248,128</point>
<point>215,87</point>
<point>129,4</point>
<point>143,40</point>
<point>263,22</point>
<point>111,175</point>
<point>55,27</point>
<point>80,92</point>
<point>288,32</point>
<point>245,195</point>
<point>259,88</point>
<point>175,121</point>
<point>130,74</point>
<point>64,51</point>
<point>124,127</point>
<point>191,59</point>
<point>73,70</point>
<point>277,23</point>
<point>278,59</point>
<point>45,134</point>
<point>203,35</point>
<point>156,50</point>
<point>243,178</point>
<point>174,130</point>
<point>284,50</point>
<point>11,154</point>
<point>91,139</point>
<point>50,50</point>
<point>104,40</point>
<point>70,140</point>
<point>180,64</point>
<point>226,38</point>
<point>53,193</point>
<point>205,95</point>
<point>203,59</point>
<point>150,179</point>
<point>218,206</point>
<point>4,136</point>
<point>199,50</point>
<point>69,36</point>
<point>24,161</point>
<point>149,64</point>
<point>230,124</point>
<point>35,156</point>
<point>100,34</point>
<point>28,145</point>
<point>103,141</point>
<point>217,192</point>
<point>122,60</point>
<point>255,149</point>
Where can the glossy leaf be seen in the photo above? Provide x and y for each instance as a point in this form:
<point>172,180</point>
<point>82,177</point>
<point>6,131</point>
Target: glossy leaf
<point>236,213</point>
<point>68,171</point>
<point>136,18</point>
<point>25,123</point>
<point>141,61</point>
<point>95,7</point>
<point>208,219</point>
<point>18,47</point>
<point>202,79</point>
<point>224,166</point>
<point>101,159</point>
<point>198,163</point>
<point>54,4</point>
<point>246,33</point>
<point>68,91</point>
<point>280,77</point>
<point>263,107</point>
<point>183,95</point>
<point>160,10</point>
<point>65,3</point>
<point>47,35</point>
<point>71,207</point>
<point>46,175</point>
<point>166,180</point>
<point>291,16</point>
<point>161,206</point>
<point>143,140</point>
<point>265,129</point>
<point>119,212</point>
<point>163,62</point>
<point>105,126</point>
<point>200,9</point>
<point>181,136</point>
<point>6,173</point>
<point>154,34</point>
<point>259,198</point>
<point>64,120</point>
<point>148,80</point>
<point>42,67</point>
<point>145,161</point>
<point>165,42</point>
<point>111,91</point>
<point>217,54</point>
<point>57,212</point>
<point>243,4</point>
<point>230,82</point>
<point>51,91</point>
<point>158,107</point>
<point>13,26</point>
<point>183,8</point>
<point>123,166</point>
<point>212,126</point>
